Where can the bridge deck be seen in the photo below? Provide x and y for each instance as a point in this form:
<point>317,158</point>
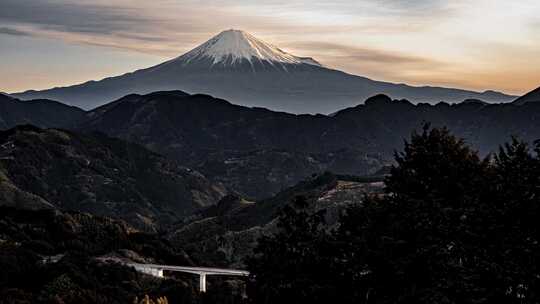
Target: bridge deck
<point>196,270</point>
<point>202,272</point>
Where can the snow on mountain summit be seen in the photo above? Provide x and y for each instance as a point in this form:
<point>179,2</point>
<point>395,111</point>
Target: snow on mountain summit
<point>232,46</point>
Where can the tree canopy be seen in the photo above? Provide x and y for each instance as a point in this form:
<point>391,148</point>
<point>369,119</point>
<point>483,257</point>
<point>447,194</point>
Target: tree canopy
<point>451,228</point>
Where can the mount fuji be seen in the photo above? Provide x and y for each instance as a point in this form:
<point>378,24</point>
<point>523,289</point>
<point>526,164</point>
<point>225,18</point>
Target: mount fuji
<point>237,66</point>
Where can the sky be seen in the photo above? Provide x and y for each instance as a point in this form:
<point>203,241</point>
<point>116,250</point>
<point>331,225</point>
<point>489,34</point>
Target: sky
<point>478,45</point>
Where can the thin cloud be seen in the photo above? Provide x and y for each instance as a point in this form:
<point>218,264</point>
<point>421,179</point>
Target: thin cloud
<point>13,32</point>
<point>379,64</point>
<point>69,16</point>
<point>136,24</point>
<point>341,51</point>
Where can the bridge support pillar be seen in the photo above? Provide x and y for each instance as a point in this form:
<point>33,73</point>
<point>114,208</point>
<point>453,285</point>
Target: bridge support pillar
<point>202,282</point>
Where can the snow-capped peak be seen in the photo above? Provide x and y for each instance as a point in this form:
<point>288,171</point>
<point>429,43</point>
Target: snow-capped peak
<point>232,46</point>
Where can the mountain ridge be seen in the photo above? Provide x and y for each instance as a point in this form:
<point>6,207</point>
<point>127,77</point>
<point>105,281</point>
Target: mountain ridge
<point>532,96</point>
<point>259,152</point>
<point>40,112</point>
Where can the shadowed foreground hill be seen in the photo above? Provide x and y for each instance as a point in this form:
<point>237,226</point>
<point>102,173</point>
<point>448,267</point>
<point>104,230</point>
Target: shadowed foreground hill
<point>97,174</point>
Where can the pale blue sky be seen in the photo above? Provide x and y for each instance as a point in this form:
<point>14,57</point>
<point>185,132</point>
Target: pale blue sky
<point>481,44</point>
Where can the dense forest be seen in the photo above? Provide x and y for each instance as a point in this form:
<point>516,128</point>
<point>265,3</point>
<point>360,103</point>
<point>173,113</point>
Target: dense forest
<point>451,227</point>
<point>48,256</point>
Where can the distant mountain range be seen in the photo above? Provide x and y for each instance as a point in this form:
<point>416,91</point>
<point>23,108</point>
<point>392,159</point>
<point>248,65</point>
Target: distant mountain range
<point>239,67</point>
<point>257,152</point>
<point>254,151</point>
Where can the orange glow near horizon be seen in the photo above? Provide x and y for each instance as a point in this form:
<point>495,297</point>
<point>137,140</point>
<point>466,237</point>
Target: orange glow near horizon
<point>480,45</point>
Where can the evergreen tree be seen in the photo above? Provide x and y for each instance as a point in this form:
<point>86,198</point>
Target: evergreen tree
<point>452,228</point>
<point>293,265</point>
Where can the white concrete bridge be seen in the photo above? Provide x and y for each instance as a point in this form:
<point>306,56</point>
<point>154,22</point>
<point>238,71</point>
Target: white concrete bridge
<point>202,272</point>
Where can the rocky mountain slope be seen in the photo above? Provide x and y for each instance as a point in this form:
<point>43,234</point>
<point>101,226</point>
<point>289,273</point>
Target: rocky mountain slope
<point>239,67</point>
<point>42,169</point>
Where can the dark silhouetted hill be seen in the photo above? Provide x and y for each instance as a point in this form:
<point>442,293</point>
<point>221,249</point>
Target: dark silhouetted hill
<point>52,168</point>
<point>533,96</point>
<point>41,112</point>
